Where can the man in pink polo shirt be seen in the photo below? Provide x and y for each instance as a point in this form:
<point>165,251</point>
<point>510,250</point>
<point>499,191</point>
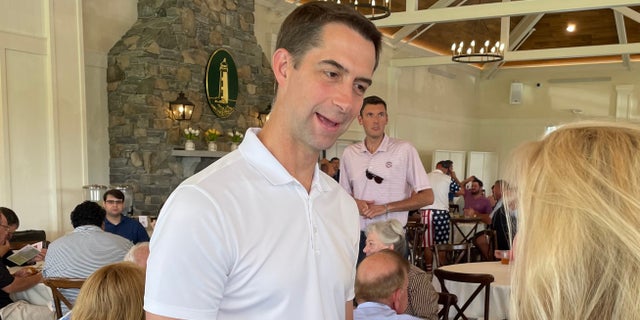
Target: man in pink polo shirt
<point>384,175</point>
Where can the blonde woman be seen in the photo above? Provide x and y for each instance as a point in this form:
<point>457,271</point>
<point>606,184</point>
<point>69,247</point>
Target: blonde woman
<point>423,298</point>
<point>113,292</point>
<point>577,254</point>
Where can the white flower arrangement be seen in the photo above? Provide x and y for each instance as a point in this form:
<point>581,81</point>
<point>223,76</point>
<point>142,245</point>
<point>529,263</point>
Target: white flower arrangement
<point>191,133</point>
<point>235,136</point>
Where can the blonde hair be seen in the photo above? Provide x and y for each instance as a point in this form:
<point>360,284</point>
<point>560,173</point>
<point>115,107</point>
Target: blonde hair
<point>113,292</point>
<point>577,252</point>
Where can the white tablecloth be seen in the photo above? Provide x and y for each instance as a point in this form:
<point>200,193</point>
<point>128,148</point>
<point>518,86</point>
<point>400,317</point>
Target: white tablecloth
<point>39,294</point>
<point>500,289</point>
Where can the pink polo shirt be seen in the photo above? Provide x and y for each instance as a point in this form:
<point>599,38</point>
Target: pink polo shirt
<point>396,161</point>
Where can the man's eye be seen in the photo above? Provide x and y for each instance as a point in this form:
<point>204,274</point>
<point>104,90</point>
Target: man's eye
<point>361,89</point>
<point>331,74</point>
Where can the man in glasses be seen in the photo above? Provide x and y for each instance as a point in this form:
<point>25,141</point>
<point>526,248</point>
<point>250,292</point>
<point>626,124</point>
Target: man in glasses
<point>119,224</point>
<point>384,175</point>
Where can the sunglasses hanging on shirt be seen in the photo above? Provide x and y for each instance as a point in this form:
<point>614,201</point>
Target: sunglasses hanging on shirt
<point>376,178</point>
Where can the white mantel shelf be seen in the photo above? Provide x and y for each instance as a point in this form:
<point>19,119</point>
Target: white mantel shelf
<point>198,153</point>
<point>191,159</point>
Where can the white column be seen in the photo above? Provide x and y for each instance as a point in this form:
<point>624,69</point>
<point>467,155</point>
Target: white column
<point>626,103</point>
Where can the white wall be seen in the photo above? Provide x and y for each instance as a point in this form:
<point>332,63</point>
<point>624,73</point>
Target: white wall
<point>502,126</point>
<point>42,107</point>
<point>53,108</point>
<point>104,23</point>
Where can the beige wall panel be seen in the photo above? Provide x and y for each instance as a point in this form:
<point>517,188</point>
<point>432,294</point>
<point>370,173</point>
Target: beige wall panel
<point>30,140</point>
<point>25,17</point>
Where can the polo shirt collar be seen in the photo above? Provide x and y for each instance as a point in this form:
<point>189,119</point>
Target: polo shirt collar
<point>260,158</point>
<point>384,145</point>
<point>87,227</point>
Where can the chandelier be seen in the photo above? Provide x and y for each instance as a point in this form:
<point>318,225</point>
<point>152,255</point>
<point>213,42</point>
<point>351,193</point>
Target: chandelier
<point>369,9</point>
<point>485,53</point>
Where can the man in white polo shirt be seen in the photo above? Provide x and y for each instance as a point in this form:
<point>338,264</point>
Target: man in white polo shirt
<point>384,175</point>
<point>262,233</point>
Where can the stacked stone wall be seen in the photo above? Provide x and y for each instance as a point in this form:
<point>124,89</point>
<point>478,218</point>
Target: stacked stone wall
<point>165,52</point>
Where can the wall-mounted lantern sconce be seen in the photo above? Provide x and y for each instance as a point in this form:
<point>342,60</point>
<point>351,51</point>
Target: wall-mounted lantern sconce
<point>263,115</point>
<point>181,108</point>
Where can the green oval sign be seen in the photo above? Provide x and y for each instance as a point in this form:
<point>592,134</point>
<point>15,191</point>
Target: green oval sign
<point>221,83</point>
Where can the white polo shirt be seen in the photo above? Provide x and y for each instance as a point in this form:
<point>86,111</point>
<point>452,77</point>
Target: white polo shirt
<point>243,239</point>
<point>440,184</point>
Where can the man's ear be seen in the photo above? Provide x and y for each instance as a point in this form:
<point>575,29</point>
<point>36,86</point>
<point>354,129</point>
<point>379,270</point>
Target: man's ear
<point>280,64</point>
<point>396,300</point>
<point>360,119</point>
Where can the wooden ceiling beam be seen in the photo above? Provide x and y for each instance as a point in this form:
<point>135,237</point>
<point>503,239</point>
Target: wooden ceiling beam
<point>629,13</point>
<point>496,10</point>
<point>519,34</point>
<point>412,5</point>
<point>622,37</point>
<point>530,55</point>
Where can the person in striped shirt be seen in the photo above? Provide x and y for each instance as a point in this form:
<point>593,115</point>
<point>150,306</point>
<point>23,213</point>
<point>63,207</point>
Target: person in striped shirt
<point>87,248</point>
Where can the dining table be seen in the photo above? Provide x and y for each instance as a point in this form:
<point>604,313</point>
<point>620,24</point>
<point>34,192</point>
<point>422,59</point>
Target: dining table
<point>500,288</point>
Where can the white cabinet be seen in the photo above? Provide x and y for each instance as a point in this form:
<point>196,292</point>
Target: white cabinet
<point>458,158</point>
<point>483,165</point>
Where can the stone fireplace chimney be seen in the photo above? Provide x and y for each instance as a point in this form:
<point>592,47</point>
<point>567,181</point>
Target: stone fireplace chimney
<point>165,52</point>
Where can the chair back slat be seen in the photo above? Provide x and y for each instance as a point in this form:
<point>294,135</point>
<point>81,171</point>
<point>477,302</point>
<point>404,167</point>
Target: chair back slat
<point>62,283</point>
<point>454,253</point>
<point>446,300</point>
<point>484,283</point>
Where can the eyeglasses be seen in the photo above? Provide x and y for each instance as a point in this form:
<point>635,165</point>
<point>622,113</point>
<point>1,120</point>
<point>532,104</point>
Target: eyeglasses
<point>376,178</point>
<point>114,201</point>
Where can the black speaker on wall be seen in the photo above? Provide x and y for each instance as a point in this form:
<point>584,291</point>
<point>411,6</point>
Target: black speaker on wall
<point>515,95</point>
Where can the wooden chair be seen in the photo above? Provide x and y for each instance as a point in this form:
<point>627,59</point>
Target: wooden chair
<point>486,243</point>
<point>446,300</point>
<point>415,238</point>
<point>484,283</point>
<point>62,283</point>
<point>453,253</point>
<point>25,237</point>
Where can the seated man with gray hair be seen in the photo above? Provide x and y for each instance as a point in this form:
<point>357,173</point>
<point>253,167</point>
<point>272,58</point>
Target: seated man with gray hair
<point>381,287</point>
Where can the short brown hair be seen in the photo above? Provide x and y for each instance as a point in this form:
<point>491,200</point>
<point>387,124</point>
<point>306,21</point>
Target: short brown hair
<point>114,193</point>
<point>372,100</point>
<point>302,29</point>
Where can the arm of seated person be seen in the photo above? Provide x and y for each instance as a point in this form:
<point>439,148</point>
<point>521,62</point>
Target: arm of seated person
<point>40,256</point>
<point>22,281</point>
<point>349,310</point>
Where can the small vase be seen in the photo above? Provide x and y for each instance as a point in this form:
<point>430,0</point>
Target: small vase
<point>212,146</point>
<point>234,146</point>
<point>189,145</point>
